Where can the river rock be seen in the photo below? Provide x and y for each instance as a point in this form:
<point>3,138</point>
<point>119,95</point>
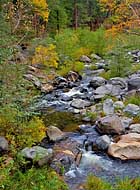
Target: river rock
<point>132,109</point>
<point>3,144</point>
<point>85,59</point>
<point>54,133</point>
<point>39,154</point>
<point>80,104</point>
<point>108,107</point>
<point>46,88</point>
<point>134,83</point>
<point>120,82</point>
<point>97,81</point>
<point>73,76</point>
<point>135,128</point>
<point>128,147</point>
<point>125,151</point>
<point>103,142</point>
<point>110,125</point>
<point>108,89</point>
<point>130,137</point>
<point>118,105</point>
<point>126,122</point>
<point>65,154</point>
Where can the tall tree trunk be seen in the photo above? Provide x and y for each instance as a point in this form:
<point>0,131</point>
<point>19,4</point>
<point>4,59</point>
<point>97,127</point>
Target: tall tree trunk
<point>58,22</point>
<point>75,24</point>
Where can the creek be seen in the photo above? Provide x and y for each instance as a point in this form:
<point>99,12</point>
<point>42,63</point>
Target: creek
<point>57,110</point>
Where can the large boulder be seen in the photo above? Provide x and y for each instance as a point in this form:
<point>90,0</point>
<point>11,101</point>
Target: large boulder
<point>97,81</point>
<point>130,137</point>
<point>3,144</point>
<point>103,142</point>
<point>134,83</point>
<point>132,109</point>
<point>80,104</point>
<point>125,151</point>
<point>55,134</point>
<point>39,154</point>
<point>120,82</point>
<point>108,89</point>
<point>128,147</point>
<point>110,125</point>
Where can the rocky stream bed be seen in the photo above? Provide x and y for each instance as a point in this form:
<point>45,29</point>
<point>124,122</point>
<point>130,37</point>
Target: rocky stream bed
<point>108,144</point>
<point>89,128</point>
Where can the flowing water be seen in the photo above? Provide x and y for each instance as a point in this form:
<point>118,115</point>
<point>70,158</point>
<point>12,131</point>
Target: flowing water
<point>95,162</point>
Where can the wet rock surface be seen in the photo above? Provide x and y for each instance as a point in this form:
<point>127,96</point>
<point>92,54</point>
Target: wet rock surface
<point>37,153</point>
<point>110,125</point>
<point>106,148</point>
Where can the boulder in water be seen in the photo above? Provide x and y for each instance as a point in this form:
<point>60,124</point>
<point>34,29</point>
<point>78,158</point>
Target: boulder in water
<point>128,147</point>
<point>110,125</point>
<point>103,142</point>
<point>80,104</point>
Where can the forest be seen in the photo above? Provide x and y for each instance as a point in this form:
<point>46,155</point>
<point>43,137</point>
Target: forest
<point>70,94</point>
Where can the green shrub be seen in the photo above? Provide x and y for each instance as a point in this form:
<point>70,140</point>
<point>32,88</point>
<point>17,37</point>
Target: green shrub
<point>96,183</point>
<point>32,179</point>
<point>19,129</point>
<point>135,99</point>
<point>128,184</point>
<point>120,66</point>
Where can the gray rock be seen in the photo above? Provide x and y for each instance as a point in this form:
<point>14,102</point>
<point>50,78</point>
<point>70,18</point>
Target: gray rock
<point>3,144</point>
<point>110,125</point>
<point>108,89</point>
<point>54,133</point>
<point>126,122</point>
<point>108,107</point>
<point>85,59</point>
<point>134,83</point>
<point>97,81</point>
<point>135,128</point>
<point>120,82</point>
<point>103,142</point>
<point>39,154</point>
<point>79,103</point>
<point>97,97</point>
<point>132,109</point>
<point>119,105</point>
